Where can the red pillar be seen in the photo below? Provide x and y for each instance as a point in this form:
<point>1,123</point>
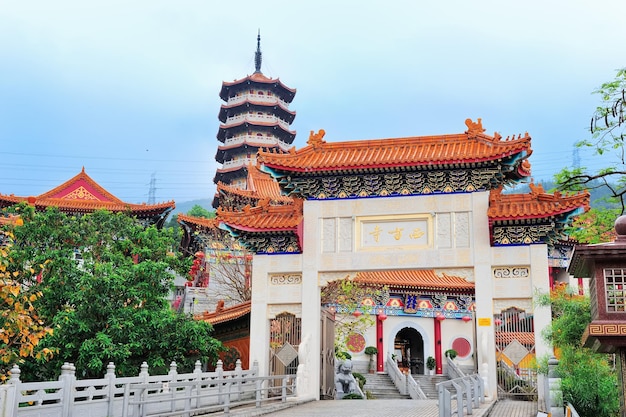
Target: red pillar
<point>380,357</point>
<point>438,366</point>
<point>551,277</point>
<point>581,289</point>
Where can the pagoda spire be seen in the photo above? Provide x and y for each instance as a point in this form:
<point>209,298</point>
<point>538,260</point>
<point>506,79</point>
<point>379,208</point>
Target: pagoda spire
<point>257,54</point>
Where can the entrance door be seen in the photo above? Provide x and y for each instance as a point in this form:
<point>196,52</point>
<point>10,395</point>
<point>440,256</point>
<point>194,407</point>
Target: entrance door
<point>327,355</point>
<point>515,353</point>
<point>285,334</point>
<point>409,350</point>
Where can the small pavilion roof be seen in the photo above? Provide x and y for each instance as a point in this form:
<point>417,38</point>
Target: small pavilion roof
<point>259,185</point>
<point>81,194</point>
<point>264,217</point>
<point>470,147</point>
<point>534,205</point>
<point>200,222</point>
<point>225,314</point>
<point>420,279</point>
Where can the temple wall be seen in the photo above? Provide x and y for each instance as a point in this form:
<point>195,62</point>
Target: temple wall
<point>448,233</point>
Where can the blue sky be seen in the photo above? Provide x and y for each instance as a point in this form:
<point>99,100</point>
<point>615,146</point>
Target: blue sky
<point>129,89</point>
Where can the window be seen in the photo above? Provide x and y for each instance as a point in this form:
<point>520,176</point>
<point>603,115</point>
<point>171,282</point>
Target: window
<point>614,281</point>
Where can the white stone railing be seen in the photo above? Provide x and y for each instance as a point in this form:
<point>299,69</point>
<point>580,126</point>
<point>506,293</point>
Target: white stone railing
<point>468,391</point>
<point>237,163</point>
<point>264,118</point>
<point>405,383</point>
<point>263,98</point>
<point>239,140</point>
<point>142,395</point>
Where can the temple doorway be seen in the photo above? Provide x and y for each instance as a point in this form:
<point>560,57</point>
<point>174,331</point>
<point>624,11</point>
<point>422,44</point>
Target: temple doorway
<point>409,350</point>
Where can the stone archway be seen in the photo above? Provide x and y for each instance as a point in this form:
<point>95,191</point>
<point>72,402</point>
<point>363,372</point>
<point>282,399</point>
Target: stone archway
<point>409,349</point>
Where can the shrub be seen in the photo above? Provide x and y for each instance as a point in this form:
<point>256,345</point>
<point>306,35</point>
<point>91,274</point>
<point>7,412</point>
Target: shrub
<point>360,379</point>
<point>352,396</point>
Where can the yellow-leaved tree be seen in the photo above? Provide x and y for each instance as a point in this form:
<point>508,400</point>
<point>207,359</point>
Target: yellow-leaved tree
<point>20,327</point>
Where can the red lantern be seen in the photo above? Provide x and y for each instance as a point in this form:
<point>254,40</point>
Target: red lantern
<point>357,313</point>
<point>497,322</point>
<point>466,319</point>
<point>440,317</point>
<point>382,317</point>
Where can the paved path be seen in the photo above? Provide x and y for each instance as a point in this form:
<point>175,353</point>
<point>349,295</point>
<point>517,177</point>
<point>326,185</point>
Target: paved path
<point>381,408</point>
<point>355,408</point>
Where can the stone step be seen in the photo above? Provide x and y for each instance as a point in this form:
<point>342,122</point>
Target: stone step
<point>380,386</point>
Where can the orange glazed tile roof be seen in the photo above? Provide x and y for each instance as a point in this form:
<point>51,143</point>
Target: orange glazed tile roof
<point>226,314</point>
<point>414,278</point>
<point>469,147</point>
<point>82,194</point>
<point>199,221</point>
<point>264,217</point>
<point>536,204</point>
<point>259,185</point>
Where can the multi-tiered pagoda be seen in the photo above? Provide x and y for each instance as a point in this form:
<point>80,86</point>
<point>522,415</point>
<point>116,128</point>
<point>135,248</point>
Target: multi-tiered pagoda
<point>255,115</point>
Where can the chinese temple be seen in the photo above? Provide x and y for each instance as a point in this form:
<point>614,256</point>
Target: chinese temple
<point>81,194</point>
<point>255,115</point>
<point>426,219</point>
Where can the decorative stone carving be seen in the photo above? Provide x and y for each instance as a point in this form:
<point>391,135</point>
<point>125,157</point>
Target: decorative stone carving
<point>286,279</point>
<point>345,382</point>
<point>511,272</point>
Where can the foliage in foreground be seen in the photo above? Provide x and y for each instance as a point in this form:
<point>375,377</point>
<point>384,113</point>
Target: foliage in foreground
<point>588,379</point>
<point>104,290</point>
<point>21,329</point>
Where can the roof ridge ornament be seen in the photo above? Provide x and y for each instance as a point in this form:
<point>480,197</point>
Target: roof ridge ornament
<point>316,139</point>
<point>474,128</point>
<point>257,54</point>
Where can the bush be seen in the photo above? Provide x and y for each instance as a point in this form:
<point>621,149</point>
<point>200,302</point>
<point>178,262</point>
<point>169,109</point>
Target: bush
<point>451,353</point>
<point>430,363</point>
<point>352,396</point>
<point>371,350</point>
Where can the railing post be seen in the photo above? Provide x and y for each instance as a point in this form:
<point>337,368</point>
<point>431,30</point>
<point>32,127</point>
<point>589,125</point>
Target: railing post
<point>13,385</point>
<point>238,375</point>
<point>555,396</point>
<point>66,378</point>
<point>258,384</point>
<point>255,368</point>
<point>284,390</point>
<point>110,376</point>
<point>468,394</point>
<point>219,370</point>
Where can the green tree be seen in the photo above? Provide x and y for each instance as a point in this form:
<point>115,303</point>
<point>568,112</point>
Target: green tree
<point>587,378</point>
<point>595,226</point>
<point>199,211</point>
<point>355,317</point>
<point>104,292</point>
<point>608,132</point>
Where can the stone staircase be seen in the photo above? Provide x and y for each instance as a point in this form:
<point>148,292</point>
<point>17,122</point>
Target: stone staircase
<point>382,387</point>
<point>427,383</point>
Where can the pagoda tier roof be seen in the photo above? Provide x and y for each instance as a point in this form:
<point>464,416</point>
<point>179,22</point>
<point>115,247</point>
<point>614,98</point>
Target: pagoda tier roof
<point>274,126</point>
<point>419,279</point>
<point>222,151</point>
<point>260,80</point>
<point>81,194</point>
<point>537,204</point>
<point>264,217</point>
<point>454,150</point>
<point>225,314</point>
<point>276,107</point>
